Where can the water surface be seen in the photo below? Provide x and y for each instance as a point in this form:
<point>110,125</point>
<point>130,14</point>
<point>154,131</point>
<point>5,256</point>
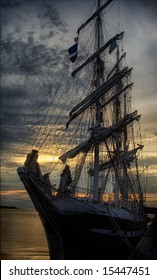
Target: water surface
<point>22,235</point>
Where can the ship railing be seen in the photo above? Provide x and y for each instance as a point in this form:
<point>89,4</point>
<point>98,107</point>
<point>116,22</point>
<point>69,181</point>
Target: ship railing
<point>122,203</point>
<point>103,198</point>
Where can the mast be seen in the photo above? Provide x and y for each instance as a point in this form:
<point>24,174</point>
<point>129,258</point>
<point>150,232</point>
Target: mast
<point>94,15</point>
<point>98,110</point>
<point>101,88</point>
<point>118,137</point>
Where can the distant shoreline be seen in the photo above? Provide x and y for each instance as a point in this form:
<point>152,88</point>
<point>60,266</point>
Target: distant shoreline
<point>8,207</point>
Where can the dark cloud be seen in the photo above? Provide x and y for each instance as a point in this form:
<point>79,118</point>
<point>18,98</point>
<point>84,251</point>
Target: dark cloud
<point>139,6</point>
<point>13,116</point>
<point>51,18</point>
<point>39,16</point>
<point>151,53</point>
<point>26,57</point>
<point>21,112</point>
<point>10,3</point>
<point>23,105</point>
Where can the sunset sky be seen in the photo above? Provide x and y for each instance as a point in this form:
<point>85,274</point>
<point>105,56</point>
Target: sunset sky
<point>34,42</point>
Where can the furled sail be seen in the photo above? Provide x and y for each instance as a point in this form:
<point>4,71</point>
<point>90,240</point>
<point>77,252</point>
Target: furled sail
<point>124,157</point>
<point>117,94</point>
<point>96,54</point>
<point>99,136</point>
<point>94,15</point>
<point>78,170</point>
<point>97,94</point>
<point>116,65</point>
<point>83,147</point>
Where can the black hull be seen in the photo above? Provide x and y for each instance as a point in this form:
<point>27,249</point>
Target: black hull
<point>76,236</point>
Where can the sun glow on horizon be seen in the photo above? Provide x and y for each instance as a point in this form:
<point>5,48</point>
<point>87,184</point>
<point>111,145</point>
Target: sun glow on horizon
<point>45,158</point>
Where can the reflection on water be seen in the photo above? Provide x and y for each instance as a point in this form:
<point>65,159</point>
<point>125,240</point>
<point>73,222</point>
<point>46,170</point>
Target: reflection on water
<point>22,235</point>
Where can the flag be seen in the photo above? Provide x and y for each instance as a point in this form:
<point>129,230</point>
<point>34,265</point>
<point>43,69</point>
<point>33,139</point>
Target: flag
<point>76,39</point>
<point>73,50</point>
<point>73,58</point>
<point>112,46</point>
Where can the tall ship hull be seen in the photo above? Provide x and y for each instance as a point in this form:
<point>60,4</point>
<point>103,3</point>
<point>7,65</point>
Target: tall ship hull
<point>95,211</point>
<point>78,228</point>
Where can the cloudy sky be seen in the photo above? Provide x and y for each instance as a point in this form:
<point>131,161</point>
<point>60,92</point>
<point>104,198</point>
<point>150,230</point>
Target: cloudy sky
<point>34,42</point>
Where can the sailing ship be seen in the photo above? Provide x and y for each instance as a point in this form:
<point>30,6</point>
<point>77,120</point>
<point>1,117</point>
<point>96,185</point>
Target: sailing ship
<point>103,216</point>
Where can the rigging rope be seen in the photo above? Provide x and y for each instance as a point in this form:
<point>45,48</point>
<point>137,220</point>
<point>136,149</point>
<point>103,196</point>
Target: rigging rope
<point>68,145</point>
<point>55,94</point>
<point>39,146</point>
<point>118,229</point>
<point>79,122</point>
